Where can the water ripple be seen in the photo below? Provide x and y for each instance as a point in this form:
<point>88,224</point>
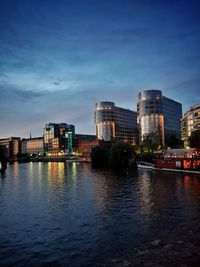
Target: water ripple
<point>57,214</point>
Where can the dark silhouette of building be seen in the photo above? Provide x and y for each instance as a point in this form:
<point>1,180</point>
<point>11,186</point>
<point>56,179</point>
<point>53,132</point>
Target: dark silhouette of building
<point>11,146</point>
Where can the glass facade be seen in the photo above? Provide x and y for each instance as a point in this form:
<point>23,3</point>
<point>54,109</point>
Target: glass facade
<point>69,135</point>
<point>56,138</point>
<point>172,111</point>
<point>32,146</point>
<point>158,117</point>
<point>152,126</point>
<point>190,122</point>
<point>115,123</point>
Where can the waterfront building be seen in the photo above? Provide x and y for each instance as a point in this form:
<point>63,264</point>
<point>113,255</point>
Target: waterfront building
<point>82,138</point>
<point>33,146</point>
<point>85,137</point>
<point>83,144</point>
<point>56,139</point>
<point>158,117</point>
<point>11,147</point>
<point>115,123</point>
<point>189,123</point>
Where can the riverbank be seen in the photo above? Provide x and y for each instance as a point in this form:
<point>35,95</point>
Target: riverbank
<point>180,248</point>
<point>52,159</point>
<point>59,159</point>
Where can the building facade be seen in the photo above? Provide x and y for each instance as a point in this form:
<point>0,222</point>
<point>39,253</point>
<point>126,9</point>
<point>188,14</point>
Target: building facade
<point>32,146</point>
<point>83,144</point>
<point>115,123</point>
<point>189,123</point>
<point>11,147</point>
<point>158,117</point>
<point>56,139</point>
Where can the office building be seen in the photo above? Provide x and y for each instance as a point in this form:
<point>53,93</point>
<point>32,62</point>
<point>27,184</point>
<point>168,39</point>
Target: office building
<point>82,138</point>
<point>158,117</point>
<point>11,147</point>
<point>83,144</point>
<point>32,146</point>
<point>115,123</point>
<point>189,123</point>
<point>58,139</point>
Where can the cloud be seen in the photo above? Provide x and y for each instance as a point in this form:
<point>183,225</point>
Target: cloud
<point>186,91</point>
<point>57,62</point>
<point>10,94</point>
<point>56,83</point>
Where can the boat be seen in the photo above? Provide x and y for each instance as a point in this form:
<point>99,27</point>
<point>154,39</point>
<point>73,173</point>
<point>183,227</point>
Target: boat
<point>156,167</point>
<point>145,165</point>
<point>177,165</point>
<point>177,160</point>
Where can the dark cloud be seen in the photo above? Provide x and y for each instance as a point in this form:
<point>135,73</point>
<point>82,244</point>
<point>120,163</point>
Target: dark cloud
<point>56,83</point>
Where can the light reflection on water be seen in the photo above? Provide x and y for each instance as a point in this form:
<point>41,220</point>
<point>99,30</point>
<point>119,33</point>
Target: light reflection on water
<point>62,213</point>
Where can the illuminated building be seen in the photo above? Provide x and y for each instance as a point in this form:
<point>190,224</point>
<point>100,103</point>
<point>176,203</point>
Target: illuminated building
<point>115,123</point>
<point>32,146</point>
<point>11,146</point>
<point>189,123</point>
<point>158,117</point>
<point>56,138</point>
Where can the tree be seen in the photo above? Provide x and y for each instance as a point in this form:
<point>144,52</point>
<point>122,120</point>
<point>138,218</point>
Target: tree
<point>99,156</point>
<point>113,154</point>
<point>173,141</point>
<point>121,154</point>
<point>152,141</point>
<point>195,139</point>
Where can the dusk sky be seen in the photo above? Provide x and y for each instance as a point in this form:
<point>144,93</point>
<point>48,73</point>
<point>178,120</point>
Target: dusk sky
<point>59,57</point>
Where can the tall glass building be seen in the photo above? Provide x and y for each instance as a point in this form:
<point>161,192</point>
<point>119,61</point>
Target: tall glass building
<point>189,123</point>
<point>158,117</point>
<point>115,123</point>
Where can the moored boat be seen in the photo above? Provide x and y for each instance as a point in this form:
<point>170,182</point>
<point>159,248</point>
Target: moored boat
<point>185,160</point>
<point>178,165</point>
<point>178,160</point>
<point>145,165</point>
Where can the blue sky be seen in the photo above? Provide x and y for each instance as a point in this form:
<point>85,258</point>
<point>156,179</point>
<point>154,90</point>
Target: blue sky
<point>58,58</point>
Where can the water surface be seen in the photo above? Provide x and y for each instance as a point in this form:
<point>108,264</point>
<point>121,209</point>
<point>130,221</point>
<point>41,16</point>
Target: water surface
<point>57,214</point>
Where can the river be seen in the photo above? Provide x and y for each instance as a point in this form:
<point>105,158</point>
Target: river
<point>68,214</point>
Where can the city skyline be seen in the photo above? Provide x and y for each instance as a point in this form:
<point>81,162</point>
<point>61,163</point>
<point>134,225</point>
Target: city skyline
<point>57,59</point>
